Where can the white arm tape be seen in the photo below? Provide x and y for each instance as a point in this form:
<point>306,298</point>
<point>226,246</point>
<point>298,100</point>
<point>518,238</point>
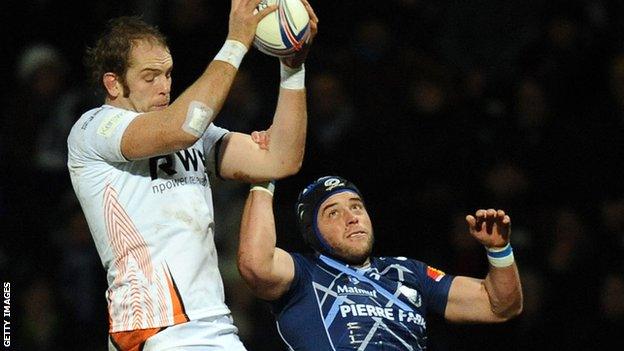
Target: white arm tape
<point>232,52</point>
<point>292,78</point>
<point>267,187</point>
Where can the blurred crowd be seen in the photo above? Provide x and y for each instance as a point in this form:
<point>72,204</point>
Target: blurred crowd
<point>434,108</point>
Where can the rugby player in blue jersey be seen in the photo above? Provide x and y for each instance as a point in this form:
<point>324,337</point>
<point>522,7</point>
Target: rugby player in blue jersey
<point>341,298</point>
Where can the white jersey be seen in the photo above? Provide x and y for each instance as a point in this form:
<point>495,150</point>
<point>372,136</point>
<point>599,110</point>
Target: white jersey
<point>152,221</point>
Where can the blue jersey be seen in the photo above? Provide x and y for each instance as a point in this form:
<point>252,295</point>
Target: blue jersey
<point>331,306</point>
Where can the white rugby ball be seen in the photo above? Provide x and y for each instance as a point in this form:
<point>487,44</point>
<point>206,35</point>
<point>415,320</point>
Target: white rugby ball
<point>283,32</point>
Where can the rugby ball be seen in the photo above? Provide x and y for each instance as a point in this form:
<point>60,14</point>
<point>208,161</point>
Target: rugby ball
<point>283,32</point>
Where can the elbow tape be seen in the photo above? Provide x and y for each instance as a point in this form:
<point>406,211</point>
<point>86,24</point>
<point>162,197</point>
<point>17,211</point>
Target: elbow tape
<point>197,118</point>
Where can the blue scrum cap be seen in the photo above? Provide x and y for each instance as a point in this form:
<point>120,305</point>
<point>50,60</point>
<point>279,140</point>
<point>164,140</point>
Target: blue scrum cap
<point>308,203</point>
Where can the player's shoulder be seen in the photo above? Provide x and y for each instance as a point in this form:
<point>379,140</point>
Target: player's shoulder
<point>306,259</point>
<point>101,118</point>
<point>213,128</point>
<point>97,133</point>
<point>412,270</point>
<point>309,264</point>
<point>387,261</point>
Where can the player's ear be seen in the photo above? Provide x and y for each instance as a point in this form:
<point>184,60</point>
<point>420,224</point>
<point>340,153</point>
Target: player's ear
<point>113,86</point>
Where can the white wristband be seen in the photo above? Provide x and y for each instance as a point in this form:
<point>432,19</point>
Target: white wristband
<point>267,187</point>
<point>292,78</point>
<point>232,52</point>
<point>500,256</point>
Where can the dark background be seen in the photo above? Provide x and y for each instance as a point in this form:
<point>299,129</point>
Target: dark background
<point>434,108</point>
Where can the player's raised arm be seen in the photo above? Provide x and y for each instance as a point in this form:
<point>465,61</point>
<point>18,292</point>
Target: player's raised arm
<point>268,270</point>
<point>163,129</point>
<point>241,158</point>
<point>498,297</point>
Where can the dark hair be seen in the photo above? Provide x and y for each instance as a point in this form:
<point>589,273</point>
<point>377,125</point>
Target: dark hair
<point>111,52</point>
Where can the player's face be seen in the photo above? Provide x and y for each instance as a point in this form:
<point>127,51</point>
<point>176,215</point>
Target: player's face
<point>346,226</point>
<point>148,79</point>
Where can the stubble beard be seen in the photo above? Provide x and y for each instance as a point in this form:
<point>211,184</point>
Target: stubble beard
<point>355,256</point>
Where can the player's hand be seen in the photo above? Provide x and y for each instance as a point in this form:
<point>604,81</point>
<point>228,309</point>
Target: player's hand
<point>299,57</point>
<point>261,138</point>
<point>490,227</point>
<point>244,20</point>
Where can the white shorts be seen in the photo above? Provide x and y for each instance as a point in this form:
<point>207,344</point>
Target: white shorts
<point>210,334</point>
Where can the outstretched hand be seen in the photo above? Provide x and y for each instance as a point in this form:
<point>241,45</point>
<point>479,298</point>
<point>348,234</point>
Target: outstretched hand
<point>244,19</point>
<point>297,59</point>
<point>490,227</point>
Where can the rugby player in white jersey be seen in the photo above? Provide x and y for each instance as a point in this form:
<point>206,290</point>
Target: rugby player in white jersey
<point>139,166</point>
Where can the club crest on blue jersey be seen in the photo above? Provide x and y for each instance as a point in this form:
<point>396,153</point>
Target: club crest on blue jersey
<point>412,295</point>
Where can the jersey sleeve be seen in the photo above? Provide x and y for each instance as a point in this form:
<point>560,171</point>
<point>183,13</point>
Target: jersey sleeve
<point>435,286</point>
<point>296,287</point>
<point>212,141</point>
<point>99,136</point>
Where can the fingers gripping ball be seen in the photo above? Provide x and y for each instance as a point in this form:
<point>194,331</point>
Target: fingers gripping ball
<point>283,32</point>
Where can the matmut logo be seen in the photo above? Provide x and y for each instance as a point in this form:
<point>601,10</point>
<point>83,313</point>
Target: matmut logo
<point>351,290</point>
<point>434,274</point>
